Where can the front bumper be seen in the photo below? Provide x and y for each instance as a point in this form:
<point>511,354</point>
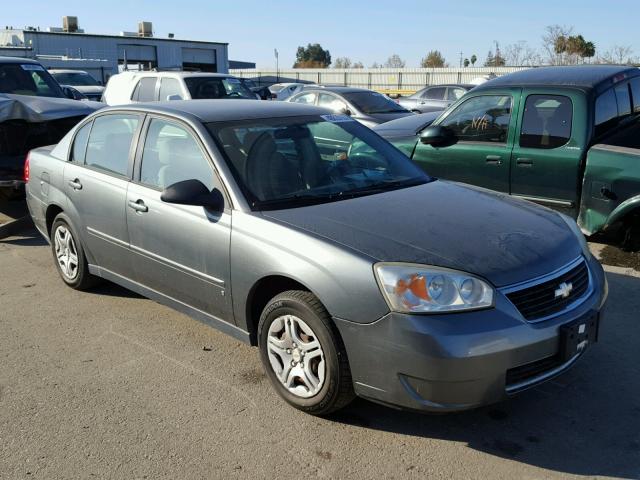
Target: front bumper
<point>450,362</point>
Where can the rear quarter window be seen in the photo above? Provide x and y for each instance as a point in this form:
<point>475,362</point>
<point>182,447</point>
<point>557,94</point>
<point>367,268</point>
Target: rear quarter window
<point>80,141</point>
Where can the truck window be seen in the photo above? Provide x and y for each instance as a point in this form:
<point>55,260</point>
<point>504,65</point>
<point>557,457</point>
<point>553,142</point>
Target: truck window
<point>606,111</point>
<point>546,122</point>
<point>145,91</point>
<point>635,93</point>
<point>623,98</point>
<point>481,119</point>
<point>168,87</point>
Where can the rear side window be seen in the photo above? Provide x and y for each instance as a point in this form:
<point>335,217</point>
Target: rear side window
<point>635,93</point>
<point>80,144</point>
<point>110,143</point>
<point>434,93</point>
<point>606,111</point>
<point>331,102</point>
<point>623,99</point>
<point>145,90</point>
<point>307,98</point>
<point>168,87</point>
<point>454,94</point>
<point>546,122</point>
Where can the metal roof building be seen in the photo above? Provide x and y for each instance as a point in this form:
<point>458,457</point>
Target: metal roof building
<point>70,47</point>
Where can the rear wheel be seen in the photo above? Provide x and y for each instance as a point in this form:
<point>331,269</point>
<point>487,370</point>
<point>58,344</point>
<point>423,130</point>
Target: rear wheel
<point>631,236</point>
<point>69,256</point>
<point>303,354</point>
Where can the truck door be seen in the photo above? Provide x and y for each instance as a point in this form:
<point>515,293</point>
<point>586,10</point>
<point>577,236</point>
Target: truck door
<point>484,125</point>
<point>548,148</point>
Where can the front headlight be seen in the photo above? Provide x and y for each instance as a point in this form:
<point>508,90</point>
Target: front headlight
<point>571,223</point>
<point>410,288</point>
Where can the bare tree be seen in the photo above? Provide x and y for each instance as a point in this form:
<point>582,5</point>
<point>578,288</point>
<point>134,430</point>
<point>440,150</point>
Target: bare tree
<point>553,37</point>
<point>618,54</point>
<point>521,54</point>
<point>394,61</point>
<point>357,65</point>
<point>342,62</point>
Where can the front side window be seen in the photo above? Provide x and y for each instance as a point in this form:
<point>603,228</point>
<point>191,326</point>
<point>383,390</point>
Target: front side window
<point>284,162</point>
<point>80,144</point>
<point>481,119</point>
<point>454,94</point>
<point>217,87</point>
<point>436,93</point>
<point>145,90</point>
<point>28,79</point>
<point>307,99</point>
<point>546,122</point>
<point>372,102</point>
<point>168,87</point>
<point>171,154</point>
<point>331,102</point>
<point>109,143</point>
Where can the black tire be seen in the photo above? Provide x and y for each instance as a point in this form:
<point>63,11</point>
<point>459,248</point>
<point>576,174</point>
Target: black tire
<point>83,280</point>
<point>337,389</point>
<point>631,236</point>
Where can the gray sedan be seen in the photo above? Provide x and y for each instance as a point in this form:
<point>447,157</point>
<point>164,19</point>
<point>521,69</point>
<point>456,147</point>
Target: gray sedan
<point>434,98</point>
<point>306,234</point>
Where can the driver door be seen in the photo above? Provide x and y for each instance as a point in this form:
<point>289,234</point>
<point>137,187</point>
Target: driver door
<point>484,126</point>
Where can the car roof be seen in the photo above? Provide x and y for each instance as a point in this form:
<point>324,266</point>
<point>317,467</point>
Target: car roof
<point>224,110</point>
<point>584,77</point>
<point>18,60</point>
<point>177,73</point>
<point>461,85</point>
<point>335,89</point>
<point>61,70</point>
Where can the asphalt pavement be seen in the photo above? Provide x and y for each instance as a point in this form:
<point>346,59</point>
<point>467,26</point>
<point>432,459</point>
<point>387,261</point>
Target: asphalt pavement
<point>107,384</point>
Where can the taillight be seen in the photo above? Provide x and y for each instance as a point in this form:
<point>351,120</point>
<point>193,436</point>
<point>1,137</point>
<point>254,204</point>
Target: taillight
<point>26,168</point>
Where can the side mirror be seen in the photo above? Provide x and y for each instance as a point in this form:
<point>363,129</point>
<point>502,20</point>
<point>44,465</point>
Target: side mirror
<point>345,111</point>
<point>193,192</point>
<point>72,93</point>
<point>437,136</point>
<point>174,96</point>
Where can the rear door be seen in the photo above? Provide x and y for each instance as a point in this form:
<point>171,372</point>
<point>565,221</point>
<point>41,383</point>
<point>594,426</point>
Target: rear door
<point>433,99</point>
<point>96,181</point>
<point>181,251</point>
<point>551,134</point>
<point>484,125</point>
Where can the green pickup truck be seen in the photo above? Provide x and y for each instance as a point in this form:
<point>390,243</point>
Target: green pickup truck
<point>565,137</point>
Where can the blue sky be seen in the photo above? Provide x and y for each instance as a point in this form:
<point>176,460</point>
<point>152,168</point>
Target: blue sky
<point>366,31</point>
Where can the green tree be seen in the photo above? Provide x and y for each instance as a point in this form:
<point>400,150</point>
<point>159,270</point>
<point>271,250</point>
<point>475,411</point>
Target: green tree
<point>312,56</point>
<point>466,62</point>
<point>434,59</point>
<point>473,59</point>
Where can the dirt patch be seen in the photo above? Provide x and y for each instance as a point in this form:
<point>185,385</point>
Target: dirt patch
<point>252,376</point>
<point>614,256</point>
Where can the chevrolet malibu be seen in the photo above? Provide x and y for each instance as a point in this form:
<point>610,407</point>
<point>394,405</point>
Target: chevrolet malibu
<point>306,234</point>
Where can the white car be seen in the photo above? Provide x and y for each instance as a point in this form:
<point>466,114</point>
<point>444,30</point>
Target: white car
<point>81,81</point>
<point>285,90</point>
<point>133,87</point>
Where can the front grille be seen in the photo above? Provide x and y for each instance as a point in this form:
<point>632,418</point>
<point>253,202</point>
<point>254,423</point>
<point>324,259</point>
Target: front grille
<point>540,301</point>
<point>530,370</point>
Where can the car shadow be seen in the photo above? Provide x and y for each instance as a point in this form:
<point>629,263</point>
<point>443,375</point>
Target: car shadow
<point>586,422</point>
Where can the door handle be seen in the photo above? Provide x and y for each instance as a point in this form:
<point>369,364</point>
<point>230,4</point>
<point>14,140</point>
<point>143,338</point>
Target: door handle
<point>138,206</point>
<point>494,159</point>
<point>75,184</point>
<point>524,162</point>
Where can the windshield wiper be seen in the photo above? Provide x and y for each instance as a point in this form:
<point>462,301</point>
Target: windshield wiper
<point>384,187</point>
<point>298,198</point>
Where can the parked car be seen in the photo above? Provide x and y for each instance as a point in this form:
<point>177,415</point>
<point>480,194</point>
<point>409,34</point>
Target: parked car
<point>351,269</point>
<point>565,137</point>
<point>366,106</point>
<point>434,98</point>
<point>133,87</point>
<point>34,111</point>
<point>282,91</point>
<point>81,81</point>
<point>263,92</point>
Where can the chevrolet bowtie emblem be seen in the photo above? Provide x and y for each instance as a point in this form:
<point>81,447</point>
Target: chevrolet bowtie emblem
<point>563,290</point>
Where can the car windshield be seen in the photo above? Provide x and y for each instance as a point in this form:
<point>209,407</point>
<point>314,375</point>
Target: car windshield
<point>293,161</point>
<point>373,102</point>
<point>76,79</point>
<point>217,87</point>
<point>28,79</point>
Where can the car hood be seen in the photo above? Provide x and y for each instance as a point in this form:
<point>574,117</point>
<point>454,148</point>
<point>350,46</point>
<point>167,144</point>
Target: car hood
<point>406,126</point>
<point>42,109</point>
<point>502,239</point>
<point>90,89</point>
<point>385,117</point>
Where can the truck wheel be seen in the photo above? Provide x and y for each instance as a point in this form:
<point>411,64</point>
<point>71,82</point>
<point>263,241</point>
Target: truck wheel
<point>69,256</point>
<point>631,237</point>
<point>303,354</point>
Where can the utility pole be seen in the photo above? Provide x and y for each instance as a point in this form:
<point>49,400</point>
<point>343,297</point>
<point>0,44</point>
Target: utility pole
<point>461,59</point>
<point>275,52</point>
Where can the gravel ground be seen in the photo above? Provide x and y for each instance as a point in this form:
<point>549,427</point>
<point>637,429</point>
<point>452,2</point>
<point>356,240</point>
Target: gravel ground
<point>106,384</point>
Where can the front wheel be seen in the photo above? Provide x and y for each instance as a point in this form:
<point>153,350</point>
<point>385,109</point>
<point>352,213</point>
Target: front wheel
<point>303,354</point>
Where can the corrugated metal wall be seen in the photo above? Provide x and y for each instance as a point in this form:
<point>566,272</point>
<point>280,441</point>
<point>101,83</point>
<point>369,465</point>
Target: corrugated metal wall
<point>383,79</point>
